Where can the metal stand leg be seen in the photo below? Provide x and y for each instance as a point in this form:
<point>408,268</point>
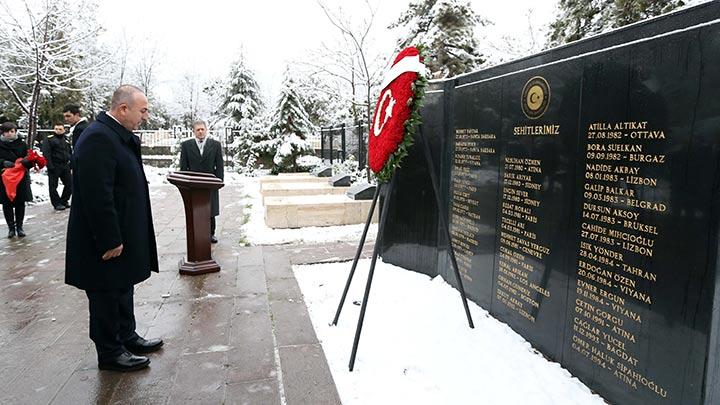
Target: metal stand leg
<point>357,255</point>
<point>376,251</point>
<point>444,225</point>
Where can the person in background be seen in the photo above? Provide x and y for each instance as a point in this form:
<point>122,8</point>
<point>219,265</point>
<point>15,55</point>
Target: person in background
<point>78,123</point>
<point>57,152</point>
<point>111,239</point>
<point>13,147</point>
<point>203,154</point>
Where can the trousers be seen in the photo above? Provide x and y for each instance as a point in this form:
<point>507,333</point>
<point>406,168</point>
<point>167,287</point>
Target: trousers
<point>112,320</point>
<point>14,213</point>
<point>64,176</point>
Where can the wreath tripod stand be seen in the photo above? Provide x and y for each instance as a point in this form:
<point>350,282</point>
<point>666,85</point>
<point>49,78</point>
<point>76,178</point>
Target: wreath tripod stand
<point>386,190</point>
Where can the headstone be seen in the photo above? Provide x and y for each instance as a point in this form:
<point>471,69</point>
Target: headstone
<point>361,192</point>
<point>322,171</point>
<point>582,190</point>
<point>340,180</point>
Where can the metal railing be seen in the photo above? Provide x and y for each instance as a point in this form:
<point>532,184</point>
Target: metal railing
<point>340,141</point>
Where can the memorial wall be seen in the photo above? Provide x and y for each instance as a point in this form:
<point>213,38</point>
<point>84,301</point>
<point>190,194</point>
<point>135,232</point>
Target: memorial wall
<point>582,188</point>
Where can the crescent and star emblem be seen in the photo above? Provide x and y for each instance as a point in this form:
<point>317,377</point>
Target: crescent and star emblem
<point>386,98</point>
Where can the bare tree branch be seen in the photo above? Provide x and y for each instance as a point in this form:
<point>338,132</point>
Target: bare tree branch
<point>42,50</point>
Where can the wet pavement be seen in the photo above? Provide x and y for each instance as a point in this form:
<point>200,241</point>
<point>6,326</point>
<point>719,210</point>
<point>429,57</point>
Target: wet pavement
<point>240,336</point>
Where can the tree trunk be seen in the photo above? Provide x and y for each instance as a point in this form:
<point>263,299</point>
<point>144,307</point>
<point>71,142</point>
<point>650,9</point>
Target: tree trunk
<point>32,115</point>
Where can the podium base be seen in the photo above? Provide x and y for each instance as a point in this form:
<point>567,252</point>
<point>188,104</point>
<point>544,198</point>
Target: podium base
<point>195,268</point>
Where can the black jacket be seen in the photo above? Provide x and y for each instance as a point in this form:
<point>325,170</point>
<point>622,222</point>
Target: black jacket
<point>57,152</point>
<point>211,161</point>
<point>111,205</point>
<point>79,128</point>
<point>9,152</point>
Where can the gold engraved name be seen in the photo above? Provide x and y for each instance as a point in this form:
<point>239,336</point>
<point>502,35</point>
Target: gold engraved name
<point>627,125</point>
<point>614,147</point>
<point>601,188</point>
<point>537,130</point>
<point>630,377</point>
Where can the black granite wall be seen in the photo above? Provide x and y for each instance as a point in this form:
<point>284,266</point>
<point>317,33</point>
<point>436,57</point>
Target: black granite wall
<point>582,189</point>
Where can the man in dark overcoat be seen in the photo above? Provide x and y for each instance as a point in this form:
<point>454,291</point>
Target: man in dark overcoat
<point>203,154</point>
<point>111,240</point>
<point>57,152</point>
<point>71,115</point>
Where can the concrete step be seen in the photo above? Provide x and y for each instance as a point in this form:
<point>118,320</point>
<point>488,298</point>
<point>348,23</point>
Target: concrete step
<point>158,160</point>
<point>303,174</point>
<point>315,210</point>
<point>276,189</point>
<point>294,178</point>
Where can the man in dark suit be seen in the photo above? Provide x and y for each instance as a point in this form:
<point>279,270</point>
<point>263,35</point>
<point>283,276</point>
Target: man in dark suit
<point>202,154</point>
<point>72,117</point>
<point>111,240</point>
<point>56,150</point>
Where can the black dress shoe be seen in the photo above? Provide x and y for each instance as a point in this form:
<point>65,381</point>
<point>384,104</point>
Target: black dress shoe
<point>59,207</point>
<point>213,239</point>
<point>65,204</point>
<point>11,233</point>
<point>140,345</point>
<point>125,362</point>
<point>20,232</point>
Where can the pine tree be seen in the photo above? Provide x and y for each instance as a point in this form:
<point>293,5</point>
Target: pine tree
<point>627,12</point>
<point>582,18</point>
<point>446,28</point>
<point>290,127</point>
<point>577,19</point>
<point>240,109</point>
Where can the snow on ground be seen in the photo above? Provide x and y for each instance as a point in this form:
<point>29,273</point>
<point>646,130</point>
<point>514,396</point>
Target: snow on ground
<point>39,186</point>
<point>156,176</point>
<point>416,347</point>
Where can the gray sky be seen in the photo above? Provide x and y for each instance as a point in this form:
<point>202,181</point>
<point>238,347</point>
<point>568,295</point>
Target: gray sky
<point>205,36</point>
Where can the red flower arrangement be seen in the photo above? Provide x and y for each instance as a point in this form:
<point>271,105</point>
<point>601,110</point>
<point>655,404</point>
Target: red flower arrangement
<point>37,160</point>
<point>396,113</point>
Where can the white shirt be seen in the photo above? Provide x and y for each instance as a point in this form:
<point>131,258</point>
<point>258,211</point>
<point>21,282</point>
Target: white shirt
<point>201,144</point>
<point>72,128</point>
<point>110,115</point>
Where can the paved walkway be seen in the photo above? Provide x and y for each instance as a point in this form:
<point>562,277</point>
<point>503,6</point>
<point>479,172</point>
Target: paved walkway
<point>240,336</point>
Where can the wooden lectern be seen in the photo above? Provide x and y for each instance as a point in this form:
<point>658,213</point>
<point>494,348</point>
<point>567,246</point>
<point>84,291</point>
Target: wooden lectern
<point>196,189</point>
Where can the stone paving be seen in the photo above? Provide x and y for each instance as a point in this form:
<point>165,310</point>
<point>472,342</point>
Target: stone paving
<point>240,336</point>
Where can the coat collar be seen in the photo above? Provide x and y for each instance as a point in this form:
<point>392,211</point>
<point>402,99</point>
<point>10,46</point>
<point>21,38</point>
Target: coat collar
<point>18,143</point>
<point>115,126</point>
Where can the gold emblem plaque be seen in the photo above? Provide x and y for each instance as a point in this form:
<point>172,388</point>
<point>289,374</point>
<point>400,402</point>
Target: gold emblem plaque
<point>535,97</point>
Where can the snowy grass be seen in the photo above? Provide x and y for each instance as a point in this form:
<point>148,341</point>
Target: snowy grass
<point>416,347</point>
